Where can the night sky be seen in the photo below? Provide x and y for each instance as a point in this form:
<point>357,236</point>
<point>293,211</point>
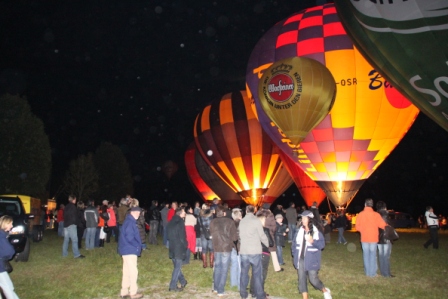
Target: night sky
<point>136,74</point>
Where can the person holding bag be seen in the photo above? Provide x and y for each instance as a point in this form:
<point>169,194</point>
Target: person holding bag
<point>6,253</point>
<point>384,244</point>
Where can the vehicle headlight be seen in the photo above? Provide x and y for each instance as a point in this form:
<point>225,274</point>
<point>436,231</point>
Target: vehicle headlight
<point>17,230</point>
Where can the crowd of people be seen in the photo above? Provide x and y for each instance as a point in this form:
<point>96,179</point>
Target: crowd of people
<point>232,241</point>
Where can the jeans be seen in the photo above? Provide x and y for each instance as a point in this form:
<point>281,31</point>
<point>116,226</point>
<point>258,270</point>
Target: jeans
<point>369,258</point>
<point>90,237</point>
<point>70,233</point>
<point>97,236</point>
<point>254,260</point>
<point>313,276</point>
<point>280,255</point>
<point>153,226</point>
<point>61,229</point>
<point>265,258</point>
<point>165,239</point>
<point>207,245</point>
<point>235,269</point>
<point>341,238</point>
<point>7,286</point>
<point>292,231</point>
<point>384,251</point>
<point>222,261</point>
<point>177,274</point>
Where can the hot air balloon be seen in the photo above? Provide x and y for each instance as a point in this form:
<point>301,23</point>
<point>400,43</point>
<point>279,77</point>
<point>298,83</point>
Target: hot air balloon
<point>169,168</point>
<point>230,139</point>
<point>310,191</point>
<point>296,93</point>
<point>206,182</point>
<point>407,42</point>
<point>369,116</point>
<point>209,185</point>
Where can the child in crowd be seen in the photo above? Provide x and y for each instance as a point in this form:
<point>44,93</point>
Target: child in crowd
<point>280,233</point>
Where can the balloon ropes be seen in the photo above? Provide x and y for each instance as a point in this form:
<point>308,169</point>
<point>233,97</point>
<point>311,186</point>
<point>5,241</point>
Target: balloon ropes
<point>369,116</point>
<point>230,139</point>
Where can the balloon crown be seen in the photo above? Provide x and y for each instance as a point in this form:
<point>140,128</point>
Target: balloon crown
<point>282,68</point>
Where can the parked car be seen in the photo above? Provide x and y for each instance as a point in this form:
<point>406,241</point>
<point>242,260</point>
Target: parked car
<point>26,224</point>
<point>401,220</point>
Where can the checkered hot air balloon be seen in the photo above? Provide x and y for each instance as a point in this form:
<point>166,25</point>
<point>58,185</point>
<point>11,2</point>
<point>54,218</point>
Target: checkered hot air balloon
<point>368,119</point>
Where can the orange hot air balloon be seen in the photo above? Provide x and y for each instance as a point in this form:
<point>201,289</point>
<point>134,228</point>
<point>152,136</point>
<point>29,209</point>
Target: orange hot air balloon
<point>310,191</point>
<point>369,116</point>
<point>297,93</point>
<point>230,139</point>
<point>169,168</point>
<point>280,184</point>
<point>206,182</point>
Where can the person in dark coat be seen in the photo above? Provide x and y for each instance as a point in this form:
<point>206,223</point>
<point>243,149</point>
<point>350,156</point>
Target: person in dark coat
<point>6,253</point>
<point>70,228</point>
<point>130,248</point>
<point>177,239</point>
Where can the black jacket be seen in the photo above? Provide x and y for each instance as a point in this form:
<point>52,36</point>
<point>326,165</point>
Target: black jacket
<point>70,215</point>
<point>177,238</point>
<point>154,214</point>
<point>385,215</point>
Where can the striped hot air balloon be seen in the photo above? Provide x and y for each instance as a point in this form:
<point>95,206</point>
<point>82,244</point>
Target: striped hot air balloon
<point>231,140</point>
<point>206,182</point>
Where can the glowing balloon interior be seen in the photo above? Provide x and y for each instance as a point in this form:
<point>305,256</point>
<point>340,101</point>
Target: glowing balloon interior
<point>206,182</point>
<point>243,155</point>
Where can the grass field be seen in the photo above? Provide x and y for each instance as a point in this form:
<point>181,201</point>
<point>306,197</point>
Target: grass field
<point>420,273</point>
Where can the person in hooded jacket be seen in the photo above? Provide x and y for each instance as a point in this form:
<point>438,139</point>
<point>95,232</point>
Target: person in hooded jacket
<point>130,248</point>
<point>6,253</point>
<point>306,248</point>
<point>177,249</point>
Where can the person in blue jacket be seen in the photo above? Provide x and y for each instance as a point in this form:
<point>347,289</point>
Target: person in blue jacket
<point>306,248</point>
<point>6,253</point>
<point>130,248</point>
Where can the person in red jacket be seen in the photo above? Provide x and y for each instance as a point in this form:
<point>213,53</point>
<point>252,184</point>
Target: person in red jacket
<point>367,223</point>
<point>172,211</point>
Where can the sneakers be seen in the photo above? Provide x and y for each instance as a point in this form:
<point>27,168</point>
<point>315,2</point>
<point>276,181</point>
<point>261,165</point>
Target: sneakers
<point>80,257</point>
<point>136,296</point>
<point>222,294</point>
<point>183,285</point>
<point>175,290</point>
<point>327,294</point>
<point>345,243</point>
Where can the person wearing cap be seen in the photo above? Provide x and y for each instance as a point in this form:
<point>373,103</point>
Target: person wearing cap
<point>130,247</point>
<point>177,239</point>
<point>281,231</point>
<point>306,248</point>
<point>367,223</point>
